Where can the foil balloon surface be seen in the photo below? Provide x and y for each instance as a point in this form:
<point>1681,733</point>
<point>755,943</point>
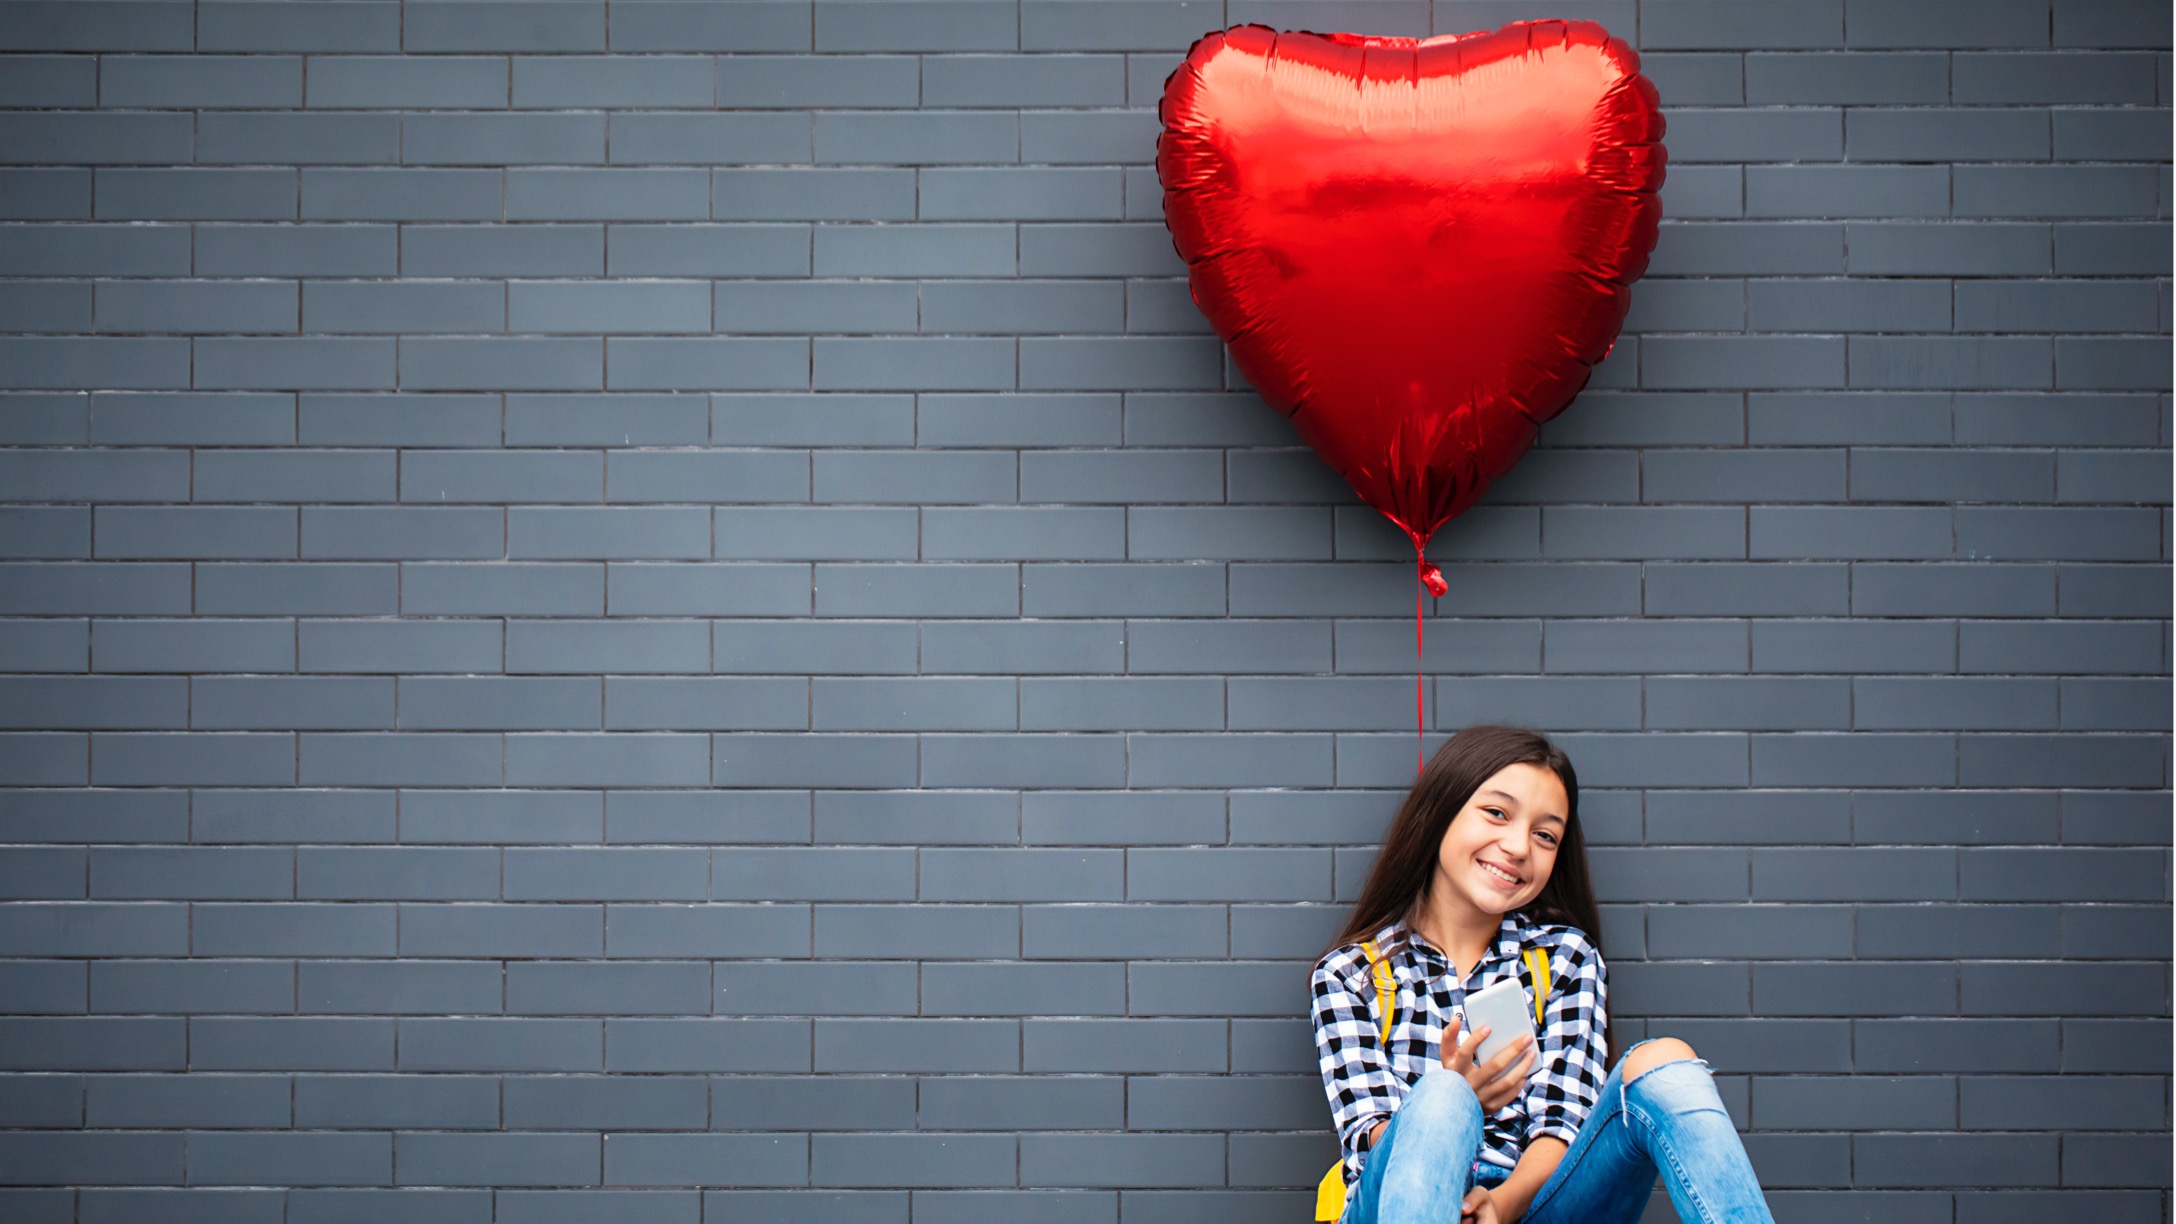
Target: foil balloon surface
<point>1415,248</point>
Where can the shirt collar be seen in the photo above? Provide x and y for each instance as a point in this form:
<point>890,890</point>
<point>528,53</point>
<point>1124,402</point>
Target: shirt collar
<point>1513,933</point>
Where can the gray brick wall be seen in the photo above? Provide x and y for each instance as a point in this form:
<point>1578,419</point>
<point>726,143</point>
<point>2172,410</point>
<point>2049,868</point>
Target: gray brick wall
<point>661,611</point>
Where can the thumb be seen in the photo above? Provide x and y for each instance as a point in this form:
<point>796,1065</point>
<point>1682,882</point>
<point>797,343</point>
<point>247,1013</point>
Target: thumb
<point>1449,1044</point>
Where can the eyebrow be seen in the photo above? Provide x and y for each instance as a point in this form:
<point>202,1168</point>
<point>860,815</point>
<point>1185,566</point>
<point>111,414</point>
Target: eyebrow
<point>1514,799</point>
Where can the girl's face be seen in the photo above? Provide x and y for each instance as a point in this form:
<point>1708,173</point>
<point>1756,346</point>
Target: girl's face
<point>1501,846</point>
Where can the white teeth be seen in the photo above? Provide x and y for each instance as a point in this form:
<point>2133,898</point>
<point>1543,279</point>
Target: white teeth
<point>1499,873</point>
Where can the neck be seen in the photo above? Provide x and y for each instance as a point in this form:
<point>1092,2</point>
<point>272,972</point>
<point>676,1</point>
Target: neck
<point>1461,931</point>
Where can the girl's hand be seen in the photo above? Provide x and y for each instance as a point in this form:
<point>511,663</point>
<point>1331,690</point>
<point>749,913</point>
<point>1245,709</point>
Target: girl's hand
<point>1479,1208</point>
<point>1495,1081</point>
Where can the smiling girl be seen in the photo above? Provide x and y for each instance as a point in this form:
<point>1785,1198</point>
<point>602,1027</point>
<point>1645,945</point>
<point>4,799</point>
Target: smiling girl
<point>1483,864</point>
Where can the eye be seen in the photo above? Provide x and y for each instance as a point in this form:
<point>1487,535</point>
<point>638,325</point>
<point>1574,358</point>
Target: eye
<point>1550,838</point>
<point>1495,813</point>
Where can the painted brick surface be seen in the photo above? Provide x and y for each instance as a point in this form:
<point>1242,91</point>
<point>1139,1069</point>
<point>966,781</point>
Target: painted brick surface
<point>662,611</point>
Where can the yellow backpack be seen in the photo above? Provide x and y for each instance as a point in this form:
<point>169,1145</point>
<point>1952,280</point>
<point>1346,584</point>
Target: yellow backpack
<point>1330,1194</point>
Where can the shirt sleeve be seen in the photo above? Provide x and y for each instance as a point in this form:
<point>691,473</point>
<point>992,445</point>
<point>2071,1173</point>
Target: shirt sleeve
<point>1574,1061</point>
<point>1355,1067</point>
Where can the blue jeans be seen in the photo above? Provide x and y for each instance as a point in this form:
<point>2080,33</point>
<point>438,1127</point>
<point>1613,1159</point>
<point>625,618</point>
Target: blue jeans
<point>1668,1120</point>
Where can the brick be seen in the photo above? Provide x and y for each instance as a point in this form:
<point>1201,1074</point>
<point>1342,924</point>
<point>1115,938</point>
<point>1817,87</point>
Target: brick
<point>1122,1045</point>
<point>42,195</point>
<point>291,1044</point>
<point>1146,704</point>
<point>2087,135</point>
<point>400,988</point>
<point>812,193</point>
<point>91,250</point>
<point>738,363</point>
<point>97,138</point>
<point>803,307</point>
<point>394,646</point>
<point>454,82</point>
<point>1127,476</point>
<point>1023,80</point>
<point>292,815</point>
<point>554,988</point>
<point>399,420</point>
<point>2065,874</point>
<point>664,138</point>
<point>502,930</point>
<point>993,1102</point>
<point>2109,477</point>
<point>706,1045</point>
<point>72,81</point>
<point>1028,533</point>
<point>96,1159</point>
<point>910,1045</point>
<point>814,874</point>
<point>636,420</point>
<point>937,590</point>
<point>819,533</point>
<point>1122,930</point>
<point>434,1101</point>
<point>917,817</point>
<point>918,363</point>
<point>1018,874</point>
<point>194,194</point>
<point>192,1100</point>
<point>1025,193</point>
<point>2014,77</point>
<point>84,361</point>
<point>916,931</point>
<point>676,703</point>
<point>510,1159</point>
<point>1987,1160</point>
<point>295,250</point>
<point>612,534</point>
<point>196,986</point>
<point>1738,135</point>
<point>2016,23</point>
<point>1121,590</point>
<point>706,930</point>
<point>513,250</point>
<point>790,647</point>
<point>306,138</point>
<point>1846,1102</point>
<point>676,26</point>
<point>1066,363</point>
<point>501,140</point>
<point>682,817</point>
<point>2098,24</point>
<point>753,1102</point>
<point>402,873</point>
<point>615,1102</point>
<point>2052,191</point>
<point>948,25</point>
<point>1961,248</point>
<point>1749,248</point>
<point>710,250</point>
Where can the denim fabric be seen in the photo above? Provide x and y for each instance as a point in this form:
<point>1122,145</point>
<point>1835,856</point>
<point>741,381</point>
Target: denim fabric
<point>1669,1120</point>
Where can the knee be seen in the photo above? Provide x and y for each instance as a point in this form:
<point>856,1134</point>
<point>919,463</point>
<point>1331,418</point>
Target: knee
<point>1648,1055</point>
<point>1442,1103</point>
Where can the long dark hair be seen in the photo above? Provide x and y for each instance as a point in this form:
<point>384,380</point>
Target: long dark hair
<point>1403,872</point>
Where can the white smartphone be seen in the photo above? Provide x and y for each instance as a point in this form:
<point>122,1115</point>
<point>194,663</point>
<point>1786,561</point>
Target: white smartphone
<point>1501,1008</point>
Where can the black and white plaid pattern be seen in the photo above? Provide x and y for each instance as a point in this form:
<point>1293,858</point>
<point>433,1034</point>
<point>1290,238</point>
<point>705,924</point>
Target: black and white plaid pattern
<point>1366,1083</point>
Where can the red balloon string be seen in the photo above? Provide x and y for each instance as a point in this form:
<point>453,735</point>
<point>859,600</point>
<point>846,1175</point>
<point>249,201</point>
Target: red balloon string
<point>1431,581</point>
<point>1420,718</point>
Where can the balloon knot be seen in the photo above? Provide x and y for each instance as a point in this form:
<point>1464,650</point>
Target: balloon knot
<point>1432,578</point>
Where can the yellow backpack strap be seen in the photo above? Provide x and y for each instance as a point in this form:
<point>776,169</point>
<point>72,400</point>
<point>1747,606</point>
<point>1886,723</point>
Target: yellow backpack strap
<point>1330,1191</point>
<point>1537,966</point>
<point>1386,988</point>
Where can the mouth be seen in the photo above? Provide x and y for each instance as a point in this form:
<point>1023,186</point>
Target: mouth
<point>1501,877</point>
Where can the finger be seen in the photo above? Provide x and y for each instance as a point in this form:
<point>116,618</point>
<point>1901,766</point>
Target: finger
<point>1471,1045</point>
<point>1504,1058</point>
<point>1450,1039</point>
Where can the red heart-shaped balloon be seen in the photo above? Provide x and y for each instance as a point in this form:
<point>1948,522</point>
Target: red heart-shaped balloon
<point>1417,249</point>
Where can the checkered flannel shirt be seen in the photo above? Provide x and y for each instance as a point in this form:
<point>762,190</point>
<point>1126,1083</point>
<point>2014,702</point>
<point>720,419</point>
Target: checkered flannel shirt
<point>1366,1083</point>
